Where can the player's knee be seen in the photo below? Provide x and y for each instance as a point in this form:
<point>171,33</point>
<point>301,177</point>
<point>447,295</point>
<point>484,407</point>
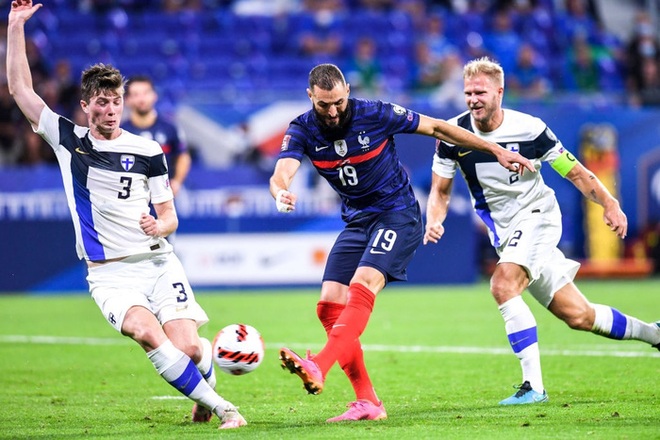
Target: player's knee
<point>147,337</point>
<point>503,290</point>
<point>192,350</point>
<point>579,320</point>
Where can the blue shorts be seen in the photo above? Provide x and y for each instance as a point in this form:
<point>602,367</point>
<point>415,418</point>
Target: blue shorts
<point>386,241</point>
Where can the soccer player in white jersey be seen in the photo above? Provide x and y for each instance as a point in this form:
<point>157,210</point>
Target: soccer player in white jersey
<point>524,223</point>
<point>109,177</point>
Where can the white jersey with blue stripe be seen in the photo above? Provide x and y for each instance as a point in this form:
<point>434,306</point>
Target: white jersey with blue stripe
<point>108,184</point>
<point>502,198</point>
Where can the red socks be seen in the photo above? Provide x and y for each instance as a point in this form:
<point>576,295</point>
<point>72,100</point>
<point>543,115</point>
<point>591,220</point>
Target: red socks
<point>344,325</point>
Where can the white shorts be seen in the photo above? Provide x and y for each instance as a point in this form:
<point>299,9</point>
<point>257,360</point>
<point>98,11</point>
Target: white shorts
<point>533,246</point>
<point>155,282</point>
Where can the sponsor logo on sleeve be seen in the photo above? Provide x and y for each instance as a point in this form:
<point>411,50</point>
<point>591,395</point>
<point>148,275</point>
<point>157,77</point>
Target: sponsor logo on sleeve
<point>285,142</point>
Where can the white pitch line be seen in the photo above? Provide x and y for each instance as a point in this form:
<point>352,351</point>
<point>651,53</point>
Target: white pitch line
<point>61,340</point>
<point>602,352</point>
<point>481,350</point>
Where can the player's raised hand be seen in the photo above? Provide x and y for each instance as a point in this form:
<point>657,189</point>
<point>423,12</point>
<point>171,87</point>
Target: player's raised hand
<point>23,9</point>
<point>514,161</point>
<point>285,201</point>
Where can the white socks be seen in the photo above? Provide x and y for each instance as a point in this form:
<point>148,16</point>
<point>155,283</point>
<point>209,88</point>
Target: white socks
<point>520,327</point>
<point>611,323</point>
<point>181,372</point>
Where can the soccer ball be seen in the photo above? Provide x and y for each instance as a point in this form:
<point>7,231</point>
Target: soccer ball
<point>238,349</point>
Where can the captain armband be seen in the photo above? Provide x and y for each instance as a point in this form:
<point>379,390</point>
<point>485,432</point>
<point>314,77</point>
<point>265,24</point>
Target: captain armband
<point>564,163</point>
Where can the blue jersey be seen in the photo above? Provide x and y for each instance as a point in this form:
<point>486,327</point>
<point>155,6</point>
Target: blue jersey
<point>359,161</point>
<point>171,139</point>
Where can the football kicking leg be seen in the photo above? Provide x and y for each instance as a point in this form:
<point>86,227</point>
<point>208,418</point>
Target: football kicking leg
<point>366,406</point>
<point>183,334</point>
<point>205,367</point>
<point>176,367</point>
<point>572,307</point>
<point>349,326</point>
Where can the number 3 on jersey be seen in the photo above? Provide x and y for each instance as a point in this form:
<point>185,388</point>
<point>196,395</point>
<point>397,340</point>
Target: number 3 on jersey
<point>126,190</point>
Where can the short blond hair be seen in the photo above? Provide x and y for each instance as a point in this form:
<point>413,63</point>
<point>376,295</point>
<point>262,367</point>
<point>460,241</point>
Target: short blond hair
<point>484,66</point>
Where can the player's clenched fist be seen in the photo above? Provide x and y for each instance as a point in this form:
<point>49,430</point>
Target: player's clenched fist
<point>149,225</point>
<point>285,201</point>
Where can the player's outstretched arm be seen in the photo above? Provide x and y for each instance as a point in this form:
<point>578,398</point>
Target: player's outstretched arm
<point>280,181</point>
<point>593,189</point>
<point>453,134</point>
<point>19,77</point>
<point>436,207</point>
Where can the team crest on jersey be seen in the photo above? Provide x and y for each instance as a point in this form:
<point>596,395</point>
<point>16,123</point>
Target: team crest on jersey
<point>285,142</point>
<point>364,141</point>
<point>515,147</point>
<point>341,148</point>
<point>127,161</point>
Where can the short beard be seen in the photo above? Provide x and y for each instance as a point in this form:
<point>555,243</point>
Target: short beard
<point>335,129</point>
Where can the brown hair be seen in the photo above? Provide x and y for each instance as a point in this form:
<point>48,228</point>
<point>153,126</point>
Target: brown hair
<point>101,78</point>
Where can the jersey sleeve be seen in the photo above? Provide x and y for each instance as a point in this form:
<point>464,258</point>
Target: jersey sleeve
<point>399,119</point>
<point>443,163</point>
<point>49,127</point>
<point>159,182</point>
<point>545,143</point>
<point>293,142</point>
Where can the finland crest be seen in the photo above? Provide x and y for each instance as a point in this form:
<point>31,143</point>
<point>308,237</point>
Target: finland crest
<point>341,148</point>
<point>127,161</point>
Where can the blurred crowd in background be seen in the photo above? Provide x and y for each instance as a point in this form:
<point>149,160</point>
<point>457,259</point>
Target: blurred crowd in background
<point>216,51</point>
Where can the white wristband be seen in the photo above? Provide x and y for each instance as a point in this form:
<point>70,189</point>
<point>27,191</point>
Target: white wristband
<point>281,207</point>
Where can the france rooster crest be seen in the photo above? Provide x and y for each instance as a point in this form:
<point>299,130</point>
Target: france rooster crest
<point>341,148</point>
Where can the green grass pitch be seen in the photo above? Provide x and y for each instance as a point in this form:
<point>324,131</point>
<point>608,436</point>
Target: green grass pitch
<point>438,356</point>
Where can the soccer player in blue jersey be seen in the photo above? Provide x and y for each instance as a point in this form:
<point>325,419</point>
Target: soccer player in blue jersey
<point>109,177</point>
<point>524,223</point>
<point>350,142</point>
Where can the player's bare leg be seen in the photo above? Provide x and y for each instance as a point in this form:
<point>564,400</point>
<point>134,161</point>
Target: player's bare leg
<point>572,307</point>
<point>176,367</point>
